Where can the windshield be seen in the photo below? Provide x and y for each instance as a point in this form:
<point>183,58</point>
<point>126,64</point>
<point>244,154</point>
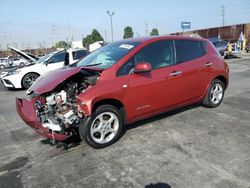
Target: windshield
<point>108,55</point>
<point>42,59</point>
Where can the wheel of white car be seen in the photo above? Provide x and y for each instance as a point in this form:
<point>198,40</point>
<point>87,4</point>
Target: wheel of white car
<point>2,67</point>
<point>103,128</point>
<point>28,79</point>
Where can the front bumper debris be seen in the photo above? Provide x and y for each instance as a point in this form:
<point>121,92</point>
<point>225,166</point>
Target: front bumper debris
<point>27,113</point>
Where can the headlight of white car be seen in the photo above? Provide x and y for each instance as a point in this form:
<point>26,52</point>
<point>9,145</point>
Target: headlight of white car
<point>17,71</point>
<point>13,72</point>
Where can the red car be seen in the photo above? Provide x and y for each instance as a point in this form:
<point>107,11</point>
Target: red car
<point>124,82</point>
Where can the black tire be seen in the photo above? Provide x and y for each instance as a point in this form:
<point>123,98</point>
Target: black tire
<point>209,100</point>
<point>2,67</point>
<point>87,126</point>
<point>28,79</point>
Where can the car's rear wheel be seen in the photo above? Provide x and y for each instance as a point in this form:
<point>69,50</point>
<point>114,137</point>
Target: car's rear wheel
<point>215,94</point>
<point>103,128</point>
<point>2,67</point>
<point>28,80</point>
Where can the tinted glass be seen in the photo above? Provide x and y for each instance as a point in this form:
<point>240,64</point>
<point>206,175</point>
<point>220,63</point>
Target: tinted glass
<point>79,54</point>
<point>59,57</point>
<point>158,54</point>
<point>188,50</point>
<point>127,67</point>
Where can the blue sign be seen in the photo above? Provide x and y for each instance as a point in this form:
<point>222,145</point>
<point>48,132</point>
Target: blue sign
<point>185,25</point>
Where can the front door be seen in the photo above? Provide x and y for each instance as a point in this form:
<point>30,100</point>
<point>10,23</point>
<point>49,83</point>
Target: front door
<point>56,61</point>
<point>158,89</point>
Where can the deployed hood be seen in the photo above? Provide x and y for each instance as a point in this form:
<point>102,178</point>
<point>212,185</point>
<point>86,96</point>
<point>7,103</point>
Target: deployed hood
<point>49,81</point>
<point>24,55</point>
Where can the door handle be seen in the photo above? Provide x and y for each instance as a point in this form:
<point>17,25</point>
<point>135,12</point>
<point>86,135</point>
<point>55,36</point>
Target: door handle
<point>208,64</point>
<point>175,73</point>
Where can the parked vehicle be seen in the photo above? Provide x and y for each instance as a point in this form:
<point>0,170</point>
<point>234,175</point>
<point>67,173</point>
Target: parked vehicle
<point>24,77</point>
<point>4,63</point>
<point>19,62</point>
<point>11,61</point>
<point>220,45</point>
<point>94,46</point>
<point>121,83</point>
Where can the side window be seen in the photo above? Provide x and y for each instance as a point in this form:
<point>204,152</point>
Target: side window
<point>189,49</point>
<point>126,68</point>
<point>59,57</point>
<point>158,54</point>
<point>79,54</point>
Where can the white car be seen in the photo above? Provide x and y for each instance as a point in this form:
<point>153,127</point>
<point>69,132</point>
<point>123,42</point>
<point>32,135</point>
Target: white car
<point>11,61</point>
<point>25,76</point>
<point>4,63</point>
<point>17,62</point>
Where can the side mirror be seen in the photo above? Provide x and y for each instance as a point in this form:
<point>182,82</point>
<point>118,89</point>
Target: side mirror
<point>142,67</point>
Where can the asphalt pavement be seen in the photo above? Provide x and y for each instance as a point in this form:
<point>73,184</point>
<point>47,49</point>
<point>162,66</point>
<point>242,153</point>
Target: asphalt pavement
<point>189,147</point>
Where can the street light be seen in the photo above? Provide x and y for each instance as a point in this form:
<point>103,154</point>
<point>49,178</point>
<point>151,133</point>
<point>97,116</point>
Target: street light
<point>111,15</point>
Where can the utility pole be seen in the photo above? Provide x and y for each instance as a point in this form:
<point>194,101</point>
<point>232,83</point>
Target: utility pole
<point>54,34</point>
<point>111,15</point>
<point>146,28</point>
<point>70,39</point>
<point>223,15</point>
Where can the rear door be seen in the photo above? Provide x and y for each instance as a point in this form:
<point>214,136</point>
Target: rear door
<point>191,56</point>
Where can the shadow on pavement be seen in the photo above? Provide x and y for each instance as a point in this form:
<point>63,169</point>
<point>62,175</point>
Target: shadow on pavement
<point>158,185</point>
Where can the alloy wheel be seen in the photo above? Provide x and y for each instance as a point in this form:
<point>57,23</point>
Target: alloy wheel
<point>29,80</point>
<point>104,127</point>
<point>216,94</point>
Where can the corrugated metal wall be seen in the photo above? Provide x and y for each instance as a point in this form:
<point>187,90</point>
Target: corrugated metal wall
<point>228,33</point>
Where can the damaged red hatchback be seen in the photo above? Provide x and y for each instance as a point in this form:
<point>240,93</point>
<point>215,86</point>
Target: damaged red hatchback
<point>123,82</point>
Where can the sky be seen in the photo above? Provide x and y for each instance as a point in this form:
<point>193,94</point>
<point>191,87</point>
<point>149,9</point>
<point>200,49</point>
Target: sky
<point>37,23</point>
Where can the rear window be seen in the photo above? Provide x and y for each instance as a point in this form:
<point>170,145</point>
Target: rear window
<point>188,50</point>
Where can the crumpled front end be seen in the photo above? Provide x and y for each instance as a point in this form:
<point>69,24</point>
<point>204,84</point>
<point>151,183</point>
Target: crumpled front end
<point>57,113</point>
<point>26,111</point>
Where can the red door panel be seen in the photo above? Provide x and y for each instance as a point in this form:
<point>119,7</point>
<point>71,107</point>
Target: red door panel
<point>154,91</point>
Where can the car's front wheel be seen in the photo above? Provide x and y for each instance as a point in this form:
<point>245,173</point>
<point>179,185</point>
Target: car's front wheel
<point>215,94</point>
<point>28,80</point>
<point>103,128</point>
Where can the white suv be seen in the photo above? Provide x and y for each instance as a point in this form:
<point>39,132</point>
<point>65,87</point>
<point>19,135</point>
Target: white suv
<point>25,76</point>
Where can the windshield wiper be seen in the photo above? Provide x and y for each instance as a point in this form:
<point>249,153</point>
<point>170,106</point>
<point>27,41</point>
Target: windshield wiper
<point>92,65</point>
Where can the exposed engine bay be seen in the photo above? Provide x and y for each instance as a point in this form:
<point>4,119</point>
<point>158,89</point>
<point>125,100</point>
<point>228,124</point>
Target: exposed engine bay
<point>57,110</point>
